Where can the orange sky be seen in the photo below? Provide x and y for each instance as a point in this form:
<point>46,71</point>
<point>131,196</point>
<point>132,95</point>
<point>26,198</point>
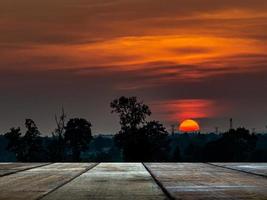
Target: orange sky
<point>160,50</point>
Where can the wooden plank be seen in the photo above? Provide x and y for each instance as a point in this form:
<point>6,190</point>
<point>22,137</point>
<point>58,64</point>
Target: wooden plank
<point>253,168</point>
<point>11,168</point>
<point>35,183</point>
<point>203,181</point>
<point>111,181</point>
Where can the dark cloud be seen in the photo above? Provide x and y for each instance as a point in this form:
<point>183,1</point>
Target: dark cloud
<point>79,21</point>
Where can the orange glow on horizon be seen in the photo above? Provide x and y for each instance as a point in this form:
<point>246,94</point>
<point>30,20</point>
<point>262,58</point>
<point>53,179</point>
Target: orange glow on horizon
<point>181,109</point>
<point>189,125</point>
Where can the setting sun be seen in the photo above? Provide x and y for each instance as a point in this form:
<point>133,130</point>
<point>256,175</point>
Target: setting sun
<point>189,125</point>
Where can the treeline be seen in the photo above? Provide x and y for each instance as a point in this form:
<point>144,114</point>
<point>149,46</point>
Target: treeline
<point>139,140</point>
<point>235,145</point>
<point>71,140</point>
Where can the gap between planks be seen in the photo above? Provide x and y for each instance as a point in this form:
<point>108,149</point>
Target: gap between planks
<point>61,185</point>
<point>164,190</point>
<point>237,170</point>
<point>22,170</point>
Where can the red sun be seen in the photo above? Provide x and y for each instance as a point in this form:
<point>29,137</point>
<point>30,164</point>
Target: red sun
<point>189,125</point>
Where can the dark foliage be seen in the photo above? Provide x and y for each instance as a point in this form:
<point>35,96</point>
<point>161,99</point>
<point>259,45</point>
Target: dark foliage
<point>132,113</point>
<point>78,136</point>
<point>15,142</point>
<point>193,153</point>
<point>176,156</point>
<point>139,140</point>
<point>234,146</point>
<point>182,148</point>
<point>103,149</point>
<point>28,148</point>
<point>32,143</point>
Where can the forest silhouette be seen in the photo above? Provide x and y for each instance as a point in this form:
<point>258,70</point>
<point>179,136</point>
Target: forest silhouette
<point>139,140</point>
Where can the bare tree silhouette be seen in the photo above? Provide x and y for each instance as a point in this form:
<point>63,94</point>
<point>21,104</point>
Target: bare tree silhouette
<point>57,145</point>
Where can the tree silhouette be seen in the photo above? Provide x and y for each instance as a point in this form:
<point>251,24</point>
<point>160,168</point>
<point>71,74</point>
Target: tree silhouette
<point>193,153</point>
<point>32,142</point>
<point>15,142</point>
<point>139,140</point>
<point>156,143</point>
<point>176,156</point>
<point>29,147</point>
<point>57,145</point>
<point>234,146</point>
<point>78,136</point>
<point>131,112</point>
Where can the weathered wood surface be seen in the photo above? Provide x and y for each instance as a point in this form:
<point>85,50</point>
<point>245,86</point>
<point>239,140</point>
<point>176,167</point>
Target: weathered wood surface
<point>111,181</point>
<point>203,181</point>
<point>80,181</point>
<point>10,168</point>
<point>255,168</point>
<point>34,183</point>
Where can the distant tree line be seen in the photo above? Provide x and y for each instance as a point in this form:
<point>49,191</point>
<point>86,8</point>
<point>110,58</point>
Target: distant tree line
<point>69,138</point>
<point>235,145</point>
<point>139,140</point>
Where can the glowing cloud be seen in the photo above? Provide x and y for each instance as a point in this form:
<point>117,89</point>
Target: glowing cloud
<point>179,110</point>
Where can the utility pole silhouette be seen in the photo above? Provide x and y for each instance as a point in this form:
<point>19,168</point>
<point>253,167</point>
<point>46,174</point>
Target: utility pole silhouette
<point>172,129</point>
<point>231,123</point>
<point>216,129</point>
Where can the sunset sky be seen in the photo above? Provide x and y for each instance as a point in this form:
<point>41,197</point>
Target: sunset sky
<point>200,59</point>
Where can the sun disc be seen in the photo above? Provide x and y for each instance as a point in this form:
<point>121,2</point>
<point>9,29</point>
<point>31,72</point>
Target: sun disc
<point>189,125</point>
